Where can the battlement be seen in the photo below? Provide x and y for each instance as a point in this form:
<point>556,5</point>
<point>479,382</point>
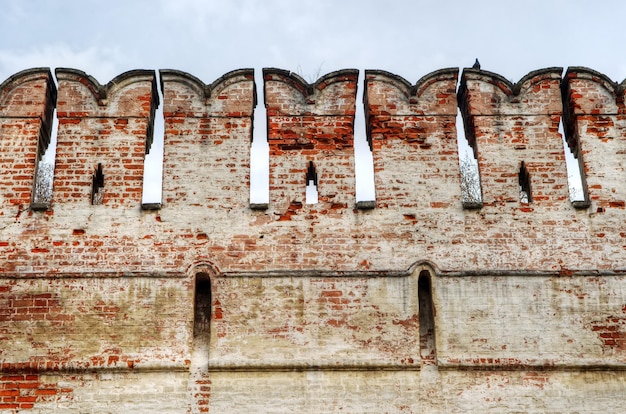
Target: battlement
<point>514,129</point>
<point>208,131</point>
<point>105,131</point>
<point>27,100</point>
<point>310,130</point>
<point>308,122</point>
<point>412,133</point>
<point>412,302</point>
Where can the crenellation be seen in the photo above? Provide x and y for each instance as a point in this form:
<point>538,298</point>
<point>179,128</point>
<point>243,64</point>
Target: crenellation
<point>208,131</point>
<point>310,124</point>
<point>103,127</point>
<point>412,133</point>
<point>510,124</point>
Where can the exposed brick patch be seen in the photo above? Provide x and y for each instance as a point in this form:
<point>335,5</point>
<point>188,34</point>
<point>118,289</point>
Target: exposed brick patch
<point>201,393</point>
<point>32,307</point>
<point>25,391</point>
<point>612,331</point>
<point>536,379</point>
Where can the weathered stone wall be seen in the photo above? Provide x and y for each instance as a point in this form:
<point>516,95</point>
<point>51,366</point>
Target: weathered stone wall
<point>412,302</point>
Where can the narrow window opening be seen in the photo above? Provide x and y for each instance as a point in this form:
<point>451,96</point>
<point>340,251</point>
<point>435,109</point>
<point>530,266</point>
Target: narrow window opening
<point>311,187</point>
<point>201,341</point>
<point>525,195</point>
<point>363,156</point>
<point>471,192</point>
<point>259,150</point>
<point>44,174</point>
<point>153,161</point>
<point>97,186</point>
<point>575,169</point>
<point>202,307</point>
<point>428,351</point>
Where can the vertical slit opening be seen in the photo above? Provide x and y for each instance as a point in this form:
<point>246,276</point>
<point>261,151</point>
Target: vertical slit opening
<point>311,184</point>
<point>363,156</point>
<point>97,186</point>
<point>202,307</point>
<point>259,149</point>
<point>46,153</point>
<point>525,194</point>
<point>428,351</point>
<point>575,168</point>
<point>471,191</point>
<point>153,161</point>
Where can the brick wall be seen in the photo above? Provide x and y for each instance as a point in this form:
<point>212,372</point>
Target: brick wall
<point>413,303</point>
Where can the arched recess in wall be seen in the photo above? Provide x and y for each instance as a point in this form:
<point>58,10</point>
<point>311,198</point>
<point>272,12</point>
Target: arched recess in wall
<point>428,351</point>
<point>202,307</point>
<point>203,275</point>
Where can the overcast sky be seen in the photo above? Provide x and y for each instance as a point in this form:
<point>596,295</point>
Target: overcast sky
<point>410,38</point>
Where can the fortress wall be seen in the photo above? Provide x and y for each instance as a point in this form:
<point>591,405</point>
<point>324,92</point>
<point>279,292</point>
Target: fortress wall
<point>205,213</point>
<point>413,303</point>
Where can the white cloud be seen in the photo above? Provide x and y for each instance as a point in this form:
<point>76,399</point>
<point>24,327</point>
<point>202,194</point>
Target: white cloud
<point>208,38</point>
<point>102,63</point>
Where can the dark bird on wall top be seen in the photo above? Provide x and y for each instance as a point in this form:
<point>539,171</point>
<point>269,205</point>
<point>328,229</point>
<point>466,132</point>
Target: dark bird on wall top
<point>476,65</point>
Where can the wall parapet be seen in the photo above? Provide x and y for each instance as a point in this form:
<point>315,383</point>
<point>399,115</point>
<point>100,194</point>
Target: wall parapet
<point>412,130</point>
<point>104,131</point>
<point>208,131</point>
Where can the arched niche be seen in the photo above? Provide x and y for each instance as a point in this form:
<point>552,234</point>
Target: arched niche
<point>428,350</point>
<point>202,307</point>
